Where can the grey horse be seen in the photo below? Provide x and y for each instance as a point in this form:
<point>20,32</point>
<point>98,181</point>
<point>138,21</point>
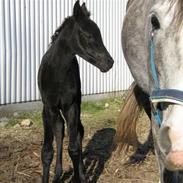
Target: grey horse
<point>152,41</point>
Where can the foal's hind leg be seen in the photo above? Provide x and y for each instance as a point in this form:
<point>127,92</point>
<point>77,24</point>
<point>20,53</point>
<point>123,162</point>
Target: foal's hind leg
<point>58,130</point>
<point>76,132</point>
<point>53,125</point>
<point>47,149</point>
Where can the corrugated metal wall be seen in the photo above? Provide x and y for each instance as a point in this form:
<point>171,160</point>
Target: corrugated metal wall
<point>25,30</point>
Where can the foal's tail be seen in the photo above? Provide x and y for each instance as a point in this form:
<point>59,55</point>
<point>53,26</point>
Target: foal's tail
<point>127,120</point>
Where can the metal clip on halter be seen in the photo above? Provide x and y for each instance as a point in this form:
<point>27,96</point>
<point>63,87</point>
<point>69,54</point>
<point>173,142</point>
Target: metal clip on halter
<point>152,34</point>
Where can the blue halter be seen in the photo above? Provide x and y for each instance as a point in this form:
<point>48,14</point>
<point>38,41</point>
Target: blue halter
<point>161,95</point>
<point>152,64</point>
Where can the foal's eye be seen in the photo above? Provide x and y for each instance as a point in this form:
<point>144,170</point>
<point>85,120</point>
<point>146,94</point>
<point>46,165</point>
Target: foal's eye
<point>89,36</point>
<point>85,36</point>
<point>155,23</point>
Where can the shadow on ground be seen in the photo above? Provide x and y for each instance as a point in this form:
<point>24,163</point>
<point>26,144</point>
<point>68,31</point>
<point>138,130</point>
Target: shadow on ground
<point>97,152</point>
<point>142,151</point>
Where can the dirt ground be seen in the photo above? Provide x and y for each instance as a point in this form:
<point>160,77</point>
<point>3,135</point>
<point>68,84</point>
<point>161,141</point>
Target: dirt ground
<point>20,149</point>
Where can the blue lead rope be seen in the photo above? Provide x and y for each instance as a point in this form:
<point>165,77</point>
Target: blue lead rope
<point>157,117</point>
<point>156,112</point>
<point>153,66</point>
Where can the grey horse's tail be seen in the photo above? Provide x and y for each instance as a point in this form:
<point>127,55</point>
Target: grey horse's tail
<point>127,120</point>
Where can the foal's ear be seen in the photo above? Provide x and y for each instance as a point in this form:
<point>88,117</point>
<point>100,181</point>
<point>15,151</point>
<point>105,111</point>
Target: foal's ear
<point>85,11</point>
<point>77,11</point>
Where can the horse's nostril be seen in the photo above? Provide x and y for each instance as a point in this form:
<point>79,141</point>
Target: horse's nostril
<point>171,139</point>
<point>165,141</point>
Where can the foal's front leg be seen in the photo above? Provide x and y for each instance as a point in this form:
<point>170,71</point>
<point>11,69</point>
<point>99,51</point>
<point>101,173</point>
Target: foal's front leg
<point>75,132</point>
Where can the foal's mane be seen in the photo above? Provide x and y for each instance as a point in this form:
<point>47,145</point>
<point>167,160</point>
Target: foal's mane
<point>66,22</point>
<point>178,16</point>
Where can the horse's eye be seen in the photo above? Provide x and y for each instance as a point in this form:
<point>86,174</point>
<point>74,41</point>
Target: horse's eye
<point>89,36</point>
<point>85,36</point>
<point>155,23</point>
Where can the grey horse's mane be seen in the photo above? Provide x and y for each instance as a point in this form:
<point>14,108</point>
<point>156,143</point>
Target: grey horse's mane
<point>178,17</point>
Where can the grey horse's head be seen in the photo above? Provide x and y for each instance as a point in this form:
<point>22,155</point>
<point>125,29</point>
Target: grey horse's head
<point>165,22</point>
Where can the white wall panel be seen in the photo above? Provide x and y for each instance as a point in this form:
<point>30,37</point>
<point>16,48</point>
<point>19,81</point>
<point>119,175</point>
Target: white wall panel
<point>26,27</point>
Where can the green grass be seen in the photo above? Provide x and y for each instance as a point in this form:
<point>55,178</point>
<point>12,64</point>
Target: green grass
<point>92,107</point>
<point>96,114</point>
<point>34,116</point>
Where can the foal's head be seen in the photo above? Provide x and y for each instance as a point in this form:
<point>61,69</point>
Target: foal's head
<point>87,41</point>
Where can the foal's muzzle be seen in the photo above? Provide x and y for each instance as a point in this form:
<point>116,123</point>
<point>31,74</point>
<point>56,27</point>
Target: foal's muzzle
<point>107,65</point>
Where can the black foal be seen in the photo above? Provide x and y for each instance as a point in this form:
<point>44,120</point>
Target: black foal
<point>59,84</point>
